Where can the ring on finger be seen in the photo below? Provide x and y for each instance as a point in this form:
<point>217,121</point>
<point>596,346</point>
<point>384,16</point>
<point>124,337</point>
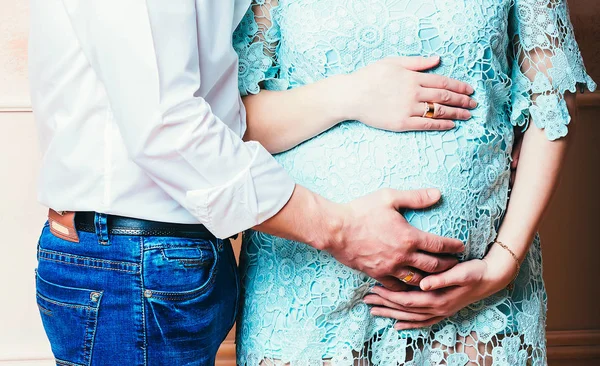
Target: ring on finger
<point>429,110</point>
<point>408,277</point>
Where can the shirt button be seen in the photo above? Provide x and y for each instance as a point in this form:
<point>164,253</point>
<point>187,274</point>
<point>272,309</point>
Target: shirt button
<point>147,293</point>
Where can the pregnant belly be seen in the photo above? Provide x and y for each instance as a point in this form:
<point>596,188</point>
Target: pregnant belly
<point>352,160</point>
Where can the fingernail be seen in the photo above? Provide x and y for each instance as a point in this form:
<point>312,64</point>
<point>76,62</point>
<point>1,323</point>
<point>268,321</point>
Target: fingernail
<point>472,103</point>
<point>470,90</point>
<point>434,194</point>
<point>425,287</point>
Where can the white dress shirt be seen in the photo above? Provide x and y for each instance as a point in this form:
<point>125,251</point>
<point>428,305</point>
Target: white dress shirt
<point>139,114</point>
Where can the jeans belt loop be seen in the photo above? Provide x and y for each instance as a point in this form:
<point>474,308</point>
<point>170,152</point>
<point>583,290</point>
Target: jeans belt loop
<point>101,223</point>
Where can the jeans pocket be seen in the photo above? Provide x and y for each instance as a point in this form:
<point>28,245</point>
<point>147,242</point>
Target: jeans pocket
<point>179,269</point>
<point>189,293</point>
<point>70,317</point>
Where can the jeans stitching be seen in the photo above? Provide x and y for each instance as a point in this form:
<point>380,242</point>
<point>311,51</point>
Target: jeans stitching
<point>44,310</point>
<point>189,295</point>
<point>63,304</point>
<point>85,341</point>
<point>91,340</point>
<point>88,266</point>
<point>143,302</point>
<point>168,246</point>
<point>66,363</point>
<point>88,258</point>
<point>91,313</point>
<point>50,255</point>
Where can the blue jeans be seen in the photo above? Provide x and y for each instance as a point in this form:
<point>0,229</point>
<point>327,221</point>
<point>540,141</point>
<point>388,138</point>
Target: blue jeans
<point>136,300</point>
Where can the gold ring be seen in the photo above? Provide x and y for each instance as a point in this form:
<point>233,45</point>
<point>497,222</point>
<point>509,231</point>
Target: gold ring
<point>429,110</point>
<point>408,277</point>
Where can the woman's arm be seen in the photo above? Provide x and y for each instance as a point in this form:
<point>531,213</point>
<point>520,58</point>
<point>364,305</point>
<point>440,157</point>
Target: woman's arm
<point>545,64</point>
<point>280,120</point>
<point>387,94</point>
<point>540,163</point>
<point>444,294</point>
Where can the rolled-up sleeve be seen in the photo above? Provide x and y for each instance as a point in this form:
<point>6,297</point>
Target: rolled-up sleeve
<point>146,54</point>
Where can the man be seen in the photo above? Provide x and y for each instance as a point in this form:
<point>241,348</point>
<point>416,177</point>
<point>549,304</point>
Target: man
<point>146,174</point>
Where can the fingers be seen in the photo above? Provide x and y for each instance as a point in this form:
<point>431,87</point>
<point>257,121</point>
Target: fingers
<point>421,198</point>
<point>432,263</point>
<point>436,244</point>
<point>402,325</point>
<point>443,112</point>
<point>456,276</point>
<point>410,276</point>
<point>392,283</point>
<point>442,82</point>
<point>376,300</point>
<point>407,299</point>
<point>418,63</point>
<point>446,97</point>
<point>400,315</point>
<point>427,124</point>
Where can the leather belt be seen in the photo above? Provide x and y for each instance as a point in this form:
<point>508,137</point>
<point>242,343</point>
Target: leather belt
<point>66,224</point>
<point>119,225</point>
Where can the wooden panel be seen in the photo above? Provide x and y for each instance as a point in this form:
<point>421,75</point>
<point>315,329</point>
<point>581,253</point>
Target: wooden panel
<point>569,232</point>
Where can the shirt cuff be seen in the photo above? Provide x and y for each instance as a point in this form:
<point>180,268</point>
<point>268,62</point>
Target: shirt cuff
<point>255,195</point>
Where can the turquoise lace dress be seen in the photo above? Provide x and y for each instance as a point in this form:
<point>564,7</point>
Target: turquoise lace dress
<point>300,305</point>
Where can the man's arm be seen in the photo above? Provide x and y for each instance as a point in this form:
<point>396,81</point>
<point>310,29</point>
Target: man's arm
<point>146,54</point>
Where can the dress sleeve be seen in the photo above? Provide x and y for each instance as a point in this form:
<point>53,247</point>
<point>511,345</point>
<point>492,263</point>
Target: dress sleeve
<point>546,62</point>
<point>256,41</point>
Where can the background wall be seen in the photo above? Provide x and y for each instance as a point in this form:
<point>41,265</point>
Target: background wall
<point>570,236</point>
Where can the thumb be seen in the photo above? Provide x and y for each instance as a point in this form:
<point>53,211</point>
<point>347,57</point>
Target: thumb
<point>418,63</point>
<point>455,276</point>
<point>421,198</point>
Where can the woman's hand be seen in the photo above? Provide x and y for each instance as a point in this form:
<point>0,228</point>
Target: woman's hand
<point>444,294</point>
<point>391,94</point>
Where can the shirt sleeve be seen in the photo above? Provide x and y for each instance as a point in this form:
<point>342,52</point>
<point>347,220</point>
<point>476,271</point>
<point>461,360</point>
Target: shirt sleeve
<point>146,54</point>
<point>546,62</point>
<point>256,40</point>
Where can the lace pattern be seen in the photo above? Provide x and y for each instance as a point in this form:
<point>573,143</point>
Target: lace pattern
<point>302,307</point>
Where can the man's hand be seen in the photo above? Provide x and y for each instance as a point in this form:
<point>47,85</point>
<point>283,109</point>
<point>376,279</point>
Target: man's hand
<point>444,294</point>
<point>376,239</point>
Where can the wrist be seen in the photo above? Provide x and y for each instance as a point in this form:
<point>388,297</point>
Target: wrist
<point>502,267</point>
<point>332,218</point>
<point>343,97</point>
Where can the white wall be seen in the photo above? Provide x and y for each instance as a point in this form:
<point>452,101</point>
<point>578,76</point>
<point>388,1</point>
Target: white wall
<point>22,340</point>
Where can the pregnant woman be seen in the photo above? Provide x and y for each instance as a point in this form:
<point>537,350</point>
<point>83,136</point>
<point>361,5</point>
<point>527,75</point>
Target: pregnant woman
<point>314,60</point>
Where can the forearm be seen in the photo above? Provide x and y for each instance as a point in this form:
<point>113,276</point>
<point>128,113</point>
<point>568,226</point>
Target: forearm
<point>537,176</point>
<point>280,120</point>
<point>307,218</point>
